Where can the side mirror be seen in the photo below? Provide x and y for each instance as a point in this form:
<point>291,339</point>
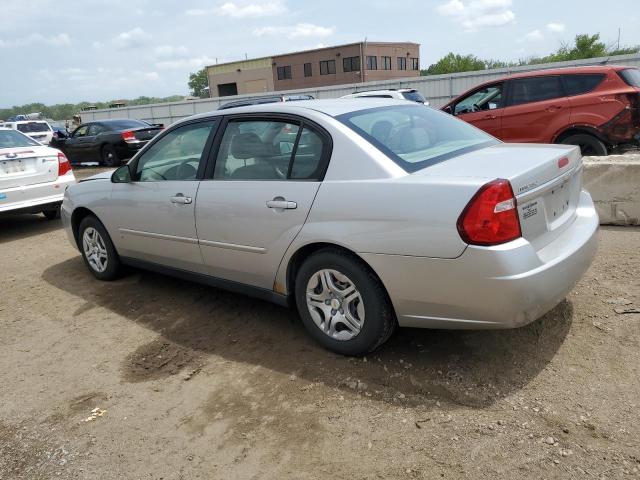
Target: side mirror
<point>448,109</point>
<point>122,174</point>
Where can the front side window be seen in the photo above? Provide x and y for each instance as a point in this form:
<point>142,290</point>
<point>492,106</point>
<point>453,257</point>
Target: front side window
<point>402,63</point>
<point>268,150</point>
<point>351,64</point>
<point>308,70</point>
<point>415,137</point>
<point>487,98</point>
<point>372,62</point>
<point>176,156</point>
<point>327,67</point>
<point>81,131</point>
<point>284,73</point>
<point>386,63</point>
<point>535,89</point>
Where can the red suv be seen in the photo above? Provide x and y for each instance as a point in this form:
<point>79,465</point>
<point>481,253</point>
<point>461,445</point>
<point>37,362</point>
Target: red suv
<point>596,108</point>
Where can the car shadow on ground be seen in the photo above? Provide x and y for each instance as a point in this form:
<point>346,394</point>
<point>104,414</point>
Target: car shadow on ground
<point>21,226</point>
<point>417,366</point>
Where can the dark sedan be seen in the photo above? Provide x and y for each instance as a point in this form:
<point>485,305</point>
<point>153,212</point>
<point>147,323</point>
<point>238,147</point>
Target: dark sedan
<point>106,141</point>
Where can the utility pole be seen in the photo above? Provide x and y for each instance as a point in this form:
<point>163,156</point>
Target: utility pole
<point>618,38</point>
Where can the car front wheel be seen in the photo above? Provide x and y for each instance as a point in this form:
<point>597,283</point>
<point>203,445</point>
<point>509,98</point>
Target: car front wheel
<point>98,252</point>
<point>343,304</point>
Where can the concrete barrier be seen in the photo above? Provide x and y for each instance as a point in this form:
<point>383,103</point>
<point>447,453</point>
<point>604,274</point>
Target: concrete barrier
<point>614,184</point>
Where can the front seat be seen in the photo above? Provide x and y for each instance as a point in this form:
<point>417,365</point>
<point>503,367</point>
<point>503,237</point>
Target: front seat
<point>246,146</point>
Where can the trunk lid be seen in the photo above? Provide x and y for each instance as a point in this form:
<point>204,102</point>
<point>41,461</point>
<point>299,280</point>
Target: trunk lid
<point>146,134</point>
<point>27,166</point>
<point>546,180</point>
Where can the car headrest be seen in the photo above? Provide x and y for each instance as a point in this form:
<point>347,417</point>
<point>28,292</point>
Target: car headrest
<point>249,145</point>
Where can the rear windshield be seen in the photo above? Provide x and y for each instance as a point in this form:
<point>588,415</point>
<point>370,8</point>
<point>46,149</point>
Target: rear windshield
<point>416,137</point>
<point>414,96</point>
<point>13,139</point>
<point>33,127</point>
<point>631,76</point>
<point>124,124</point>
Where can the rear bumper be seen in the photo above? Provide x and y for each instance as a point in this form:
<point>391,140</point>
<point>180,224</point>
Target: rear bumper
<point>490,287</point>
<point>31,197</point>
<point>126,150</point>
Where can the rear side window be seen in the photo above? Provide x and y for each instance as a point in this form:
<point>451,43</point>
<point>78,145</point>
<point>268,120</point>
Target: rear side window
<point>631,76</point>
<point>581,83</point>
<point>535,89</point>
<point>33,127</point>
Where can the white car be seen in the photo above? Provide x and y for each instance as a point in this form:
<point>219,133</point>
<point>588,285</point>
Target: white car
<point>410,94</point>
<point>39,130</point>
<point>33,177</point>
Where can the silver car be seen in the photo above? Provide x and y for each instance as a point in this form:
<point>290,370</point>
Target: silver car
<point>366,214</point>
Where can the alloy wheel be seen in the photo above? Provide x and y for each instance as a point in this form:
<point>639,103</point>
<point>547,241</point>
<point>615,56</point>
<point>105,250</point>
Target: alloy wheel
<point>335,304</point>
<point>94,249</point>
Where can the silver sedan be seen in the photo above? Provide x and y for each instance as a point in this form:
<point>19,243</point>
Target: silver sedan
<point>365,214</point>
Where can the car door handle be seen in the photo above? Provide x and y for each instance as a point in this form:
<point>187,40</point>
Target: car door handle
<point>281,203</point>
<point>180,199</point>
<point>489,117</point>
<point>553,108</point>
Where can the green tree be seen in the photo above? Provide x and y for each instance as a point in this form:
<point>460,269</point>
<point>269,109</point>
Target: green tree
<point>199,83</point>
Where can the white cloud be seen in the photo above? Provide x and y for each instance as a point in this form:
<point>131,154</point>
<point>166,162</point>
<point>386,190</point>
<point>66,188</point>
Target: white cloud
<point>243,10</point>
<point>533,36</point>
<point>476,14</point>
<point>169,51</point>
<point>301,30</point>
<point>185,63</point>
<point>131,39</point>
<point>556,27</point>
<point>59,40</point>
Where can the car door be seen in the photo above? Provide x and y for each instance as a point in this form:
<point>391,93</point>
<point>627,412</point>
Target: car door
<point>90,144</point>
<point>483,108</point>
<point>153,214</point>
<point>536,110</point>
<point>73,145</point>
<point>266,176</point>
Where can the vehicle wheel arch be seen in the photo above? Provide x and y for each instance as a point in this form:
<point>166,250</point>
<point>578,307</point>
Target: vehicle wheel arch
<point>77,216</point>
<point>580,129</point>
<point>305,251</point>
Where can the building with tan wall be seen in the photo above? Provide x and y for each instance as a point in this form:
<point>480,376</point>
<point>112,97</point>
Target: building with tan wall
<point>351,63</point>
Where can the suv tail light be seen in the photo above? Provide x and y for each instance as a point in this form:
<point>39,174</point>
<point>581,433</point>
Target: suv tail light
<point>491,217</point>
<point>129,137</point>
<point>64,166</point>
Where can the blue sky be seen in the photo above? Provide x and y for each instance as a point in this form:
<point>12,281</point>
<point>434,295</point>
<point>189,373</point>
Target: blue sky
<point>56,51</point>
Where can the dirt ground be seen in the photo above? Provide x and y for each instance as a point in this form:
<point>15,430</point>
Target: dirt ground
<point>190,382</point>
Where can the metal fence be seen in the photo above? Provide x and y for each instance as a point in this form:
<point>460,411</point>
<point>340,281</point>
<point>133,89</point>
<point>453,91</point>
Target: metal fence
<point>438,89</point>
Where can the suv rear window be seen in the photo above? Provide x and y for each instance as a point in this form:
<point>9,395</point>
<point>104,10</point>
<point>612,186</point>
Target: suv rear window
<point>535,89</point>
<point>414,96</point>
<point>416,137</point>
<point>33,127</point>
<point>581,83</point>
<point>631,76</point>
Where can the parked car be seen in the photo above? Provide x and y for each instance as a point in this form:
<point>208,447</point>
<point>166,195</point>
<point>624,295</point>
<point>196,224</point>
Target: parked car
<point>267,99</point>
<point>374,214</point>
<point>399,94</point>
<point>39,130</point>
<point>33,178</point>
<point>595,108</point>
<point>106,141</point>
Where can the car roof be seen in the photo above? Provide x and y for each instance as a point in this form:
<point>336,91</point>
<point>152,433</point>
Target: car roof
<point>565,71</point>
<point>332,107</point>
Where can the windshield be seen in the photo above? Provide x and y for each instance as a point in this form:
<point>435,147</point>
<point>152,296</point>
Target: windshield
<point>416,137</point>
<point>13,139</point>
<point>33,127</point>
<point>124,124</point>
<point>631,76</point>
<point>414,96</point>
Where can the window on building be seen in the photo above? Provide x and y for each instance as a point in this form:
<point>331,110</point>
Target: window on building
<point>284,73</point>
<point>415,64</point>
<point>386,63</point>
<point>327,67</point>
<point>307,70</point>
<point>351,64</point>
<point>372,62</point>
<point>402,63</point>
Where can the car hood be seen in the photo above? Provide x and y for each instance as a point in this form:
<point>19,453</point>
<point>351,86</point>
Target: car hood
<point>99,176</point>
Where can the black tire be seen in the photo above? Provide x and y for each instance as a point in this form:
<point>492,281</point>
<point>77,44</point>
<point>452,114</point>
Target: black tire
<point>110,157</point>
<point>379,318</point>
<point>589,145</point>
<point>113,266</point>
<point>52,213</point>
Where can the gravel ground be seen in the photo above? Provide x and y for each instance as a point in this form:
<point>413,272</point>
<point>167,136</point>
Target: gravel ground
<point>151,377</point>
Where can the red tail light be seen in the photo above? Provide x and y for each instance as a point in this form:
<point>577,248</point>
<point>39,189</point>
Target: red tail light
<point>129,136</point>
<point>491,217</point>
<point>64,166</point>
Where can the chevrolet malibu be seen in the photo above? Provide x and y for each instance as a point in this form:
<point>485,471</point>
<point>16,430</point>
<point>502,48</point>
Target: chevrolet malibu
<point>365,214</point>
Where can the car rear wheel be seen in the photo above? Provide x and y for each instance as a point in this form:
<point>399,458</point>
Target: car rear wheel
<point>109,156</point>
<point>52,213</point>
<point>589,145</point>
<point>343,304</point>
<point>98,251</point>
